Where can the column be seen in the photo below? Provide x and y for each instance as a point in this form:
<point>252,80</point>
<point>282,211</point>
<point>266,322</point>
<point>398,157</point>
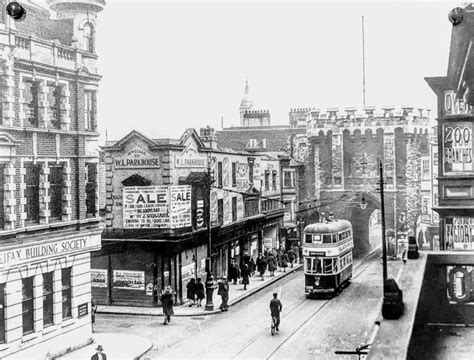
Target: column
<point>9,200</point>
<point>7,85</point>
<point>44,198</point>
<point>66,193</point>
<point>65,108</point>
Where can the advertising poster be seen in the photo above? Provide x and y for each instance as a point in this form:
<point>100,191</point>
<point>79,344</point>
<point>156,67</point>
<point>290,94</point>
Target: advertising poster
<point>180,205</point>
<point>457,147</point>
<point>146,207</point>
<point>129,280</point>
<point>187,272</point>
<point>98,278</point>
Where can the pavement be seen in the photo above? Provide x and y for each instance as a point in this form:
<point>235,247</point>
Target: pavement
<point>127,346</point>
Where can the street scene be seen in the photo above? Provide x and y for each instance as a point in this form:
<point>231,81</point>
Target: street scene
<point>236,180</point>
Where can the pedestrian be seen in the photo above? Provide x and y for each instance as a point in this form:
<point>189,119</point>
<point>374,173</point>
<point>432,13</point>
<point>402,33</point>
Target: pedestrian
<point>404,256</point>
<point>246,258</point>
<point>245,276</point>
<point>167,304</point>
<point>278,259</point>
<point>99,355</point>
<point>272,264</point>
<point>284,261</point>
<point>191,291</point>
<point>237,272</point>
<point>224,293</point>
<point>296,249</point>
<point>199,292</point>
<point>291,256</point>
<point>233,276</point>
<point>252,267</point>
<point>93,311</point>
<point>261,266</point>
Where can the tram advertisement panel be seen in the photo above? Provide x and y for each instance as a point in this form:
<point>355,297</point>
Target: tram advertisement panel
<point>457,147</point>
<point>459,233</point>
<point>459,280</point>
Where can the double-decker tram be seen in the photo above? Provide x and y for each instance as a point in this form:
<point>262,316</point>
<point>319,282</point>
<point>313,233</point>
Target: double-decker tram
<point>327,253</point>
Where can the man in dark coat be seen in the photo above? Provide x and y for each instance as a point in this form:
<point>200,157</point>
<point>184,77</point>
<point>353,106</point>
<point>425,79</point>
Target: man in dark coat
<point>191,291</point>
<point>199,291</point>
<point>252,267</point>
<point>284,261</point>
<point>291,256</point>
<point>99,355</point>
<point>224,293</point>
<point>261,266</point>
<point>167,303</point>
<point>272,264</point>
<point>245,276</point>
<point>233,272</point>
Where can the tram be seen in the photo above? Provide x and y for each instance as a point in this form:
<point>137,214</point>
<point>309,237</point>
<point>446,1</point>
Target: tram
<point>327,254</point>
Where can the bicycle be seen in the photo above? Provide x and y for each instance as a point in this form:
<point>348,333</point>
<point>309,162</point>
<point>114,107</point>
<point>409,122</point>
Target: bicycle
<point>273,326</point>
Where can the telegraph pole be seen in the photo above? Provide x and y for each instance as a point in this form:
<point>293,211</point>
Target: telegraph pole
<point>382,210</point>
<point>208,181</point>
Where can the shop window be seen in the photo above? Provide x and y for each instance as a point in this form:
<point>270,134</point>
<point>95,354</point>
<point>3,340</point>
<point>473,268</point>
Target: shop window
<point>219,173</point>
<point>89,38</point>
<point>234,174</point>
<point>2,208</point>
<point>2,313</point>
<point>55,191</point>
<point>27,305</point>
<point>47,299</point>
<point>32,193</point>
<point>234,208</point>
<point>31,96</point>
<point>274,180</point>
<point>89,110</point>
<point>54,100</point>
<point>91,189</point>
<point>220,211</point>
<point>66,292</point>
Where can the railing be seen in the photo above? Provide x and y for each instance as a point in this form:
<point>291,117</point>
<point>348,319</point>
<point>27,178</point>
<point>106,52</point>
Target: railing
<point>65,54</point>
<point>22,43</point>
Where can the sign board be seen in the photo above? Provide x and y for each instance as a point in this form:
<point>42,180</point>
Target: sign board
<point>129,280</point>
<point>187,272</point>
<point>457,147</point>
<point>156,207</point>
<point>200,214</point>
<point>137,158</point>
<point>190,158</point>
<point>459,232</point>
<point>454,105</point>
<point>242,176</point>
<point>98,278</point>
<point>40,251</point>
<point>82,310</point>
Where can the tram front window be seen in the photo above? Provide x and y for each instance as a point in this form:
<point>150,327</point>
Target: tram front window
<point>308,239</point>
<point>327,239</point>
<point>327,266</point>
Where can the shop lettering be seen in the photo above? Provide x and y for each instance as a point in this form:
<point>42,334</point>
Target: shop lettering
<point>181,196</point>
<point>124,163</point>
<point>458,233</point>
<point>458,155</point>
<point>147,198</point>
<point>40,251</point>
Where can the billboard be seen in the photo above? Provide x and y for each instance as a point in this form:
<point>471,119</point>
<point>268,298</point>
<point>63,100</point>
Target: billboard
<point>129,280</point>
<point>156,207</point>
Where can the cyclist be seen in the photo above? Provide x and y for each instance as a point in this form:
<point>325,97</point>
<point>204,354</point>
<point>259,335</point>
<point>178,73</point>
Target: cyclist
<point>275,309</point>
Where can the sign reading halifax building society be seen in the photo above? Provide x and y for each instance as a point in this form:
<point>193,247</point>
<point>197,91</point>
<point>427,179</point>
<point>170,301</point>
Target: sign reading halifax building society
<point>158,207</point>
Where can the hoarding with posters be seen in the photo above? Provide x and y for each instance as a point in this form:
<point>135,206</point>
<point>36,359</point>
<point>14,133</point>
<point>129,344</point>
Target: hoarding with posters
<point>129,280</point>
<point>157,207</point>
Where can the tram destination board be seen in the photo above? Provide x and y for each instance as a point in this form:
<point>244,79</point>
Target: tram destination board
<point>317,253</point>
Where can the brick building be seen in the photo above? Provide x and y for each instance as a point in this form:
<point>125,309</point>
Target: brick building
<point>140,256</point>
<point>49,219</point>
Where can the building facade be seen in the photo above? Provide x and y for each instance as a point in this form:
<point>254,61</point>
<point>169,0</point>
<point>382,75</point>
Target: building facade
<point>49,221</point>
<point>156,215</point>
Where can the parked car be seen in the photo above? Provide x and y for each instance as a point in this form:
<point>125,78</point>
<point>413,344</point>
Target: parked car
<point>392,306</point>
<point>412,248</point>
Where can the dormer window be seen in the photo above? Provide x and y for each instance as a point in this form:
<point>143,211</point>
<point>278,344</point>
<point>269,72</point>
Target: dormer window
<point>89,38</point>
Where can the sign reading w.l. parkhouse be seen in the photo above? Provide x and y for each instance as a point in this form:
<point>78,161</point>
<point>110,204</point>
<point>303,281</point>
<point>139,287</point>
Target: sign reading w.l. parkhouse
<point>137,158</point>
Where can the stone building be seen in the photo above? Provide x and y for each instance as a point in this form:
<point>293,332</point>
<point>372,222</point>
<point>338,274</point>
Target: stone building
<point>152,240</point>
<point>49,219</point>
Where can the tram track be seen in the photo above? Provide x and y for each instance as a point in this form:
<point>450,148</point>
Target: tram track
<point>358,270</point>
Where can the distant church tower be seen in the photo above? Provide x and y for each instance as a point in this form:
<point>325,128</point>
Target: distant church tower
<point>249,116</point>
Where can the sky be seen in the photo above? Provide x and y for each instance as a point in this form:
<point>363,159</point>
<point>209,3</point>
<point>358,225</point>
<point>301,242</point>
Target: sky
<point>168,66</point>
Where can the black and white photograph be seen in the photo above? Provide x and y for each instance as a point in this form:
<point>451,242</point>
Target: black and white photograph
<point>225,179</point>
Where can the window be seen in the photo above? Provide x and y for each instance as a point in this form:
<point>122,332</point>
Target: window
<point>55,191</point>
<point>327,239</point>
<point>32,193</point>
<point>425,164</point>
<point>251,173</point>
<point>219,173</point>
<point>274,180</point>
<point>89,110</point>
<point>27,305</point>
<point>327,266</point>
<point>66,292</point>
<point>425,205</point>
<point>2,313</point>
<point>89,38</point>
<point>308,239</point>
<point>234,208</point>
<point>288,179</point>
<point>234,174</point>
<point>91,189</point>
<point>54,100</point>
<point>267,180</point>
<point>2,209</point>
<point>337,180</point>
<point>31,96</point>
<point>48,299</point>
<point>220,211</point>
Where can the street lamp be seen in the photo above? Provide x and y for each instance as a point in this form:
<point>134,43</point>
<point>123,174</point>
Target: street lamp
<point>208,181</point>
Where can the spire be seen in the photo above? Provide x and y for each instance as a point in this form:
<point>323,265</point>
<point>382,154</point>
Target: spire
<point>246,87</point>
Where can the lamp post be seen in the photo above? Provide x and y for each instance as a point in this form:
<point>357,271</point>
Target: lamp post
<point>208,181</point>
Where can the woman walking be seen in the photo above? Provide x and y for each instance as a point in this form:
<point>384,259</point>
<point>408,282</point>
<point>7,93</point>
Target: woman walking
<point>199,292</point>
<point>245,276</point>
<point>167,303</point>
<point>272,264</point>
<point>261,266</point>
<point>284,261</point>
<point>191,291</point>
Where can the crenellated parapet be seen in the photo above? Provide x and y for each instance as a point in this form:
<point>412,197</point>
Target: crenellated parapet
<point>336,120</point>
<point>256,113</point>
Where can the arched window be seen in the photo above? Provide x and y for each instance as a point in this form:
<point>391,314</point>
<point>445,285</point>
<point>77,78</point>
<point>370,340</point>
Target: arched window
<point>89,37</point>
